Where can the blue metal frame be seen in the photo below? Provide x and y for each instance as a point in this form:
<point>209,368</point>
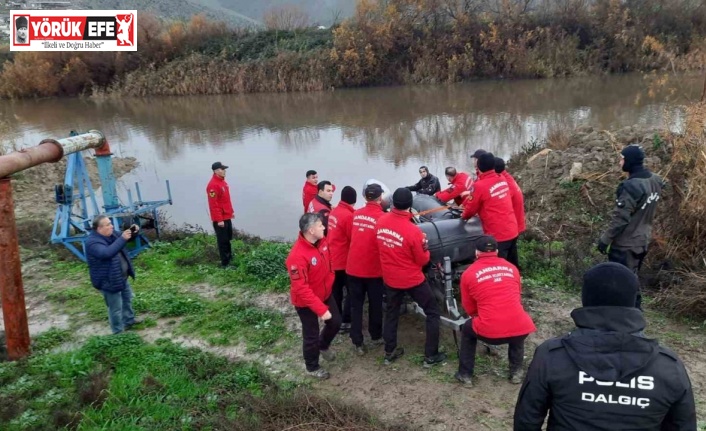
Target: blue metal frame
<point>78,206</point>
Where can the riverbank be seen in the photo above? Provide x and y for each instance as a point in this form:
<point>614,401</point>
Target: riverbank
<point>391,43</point>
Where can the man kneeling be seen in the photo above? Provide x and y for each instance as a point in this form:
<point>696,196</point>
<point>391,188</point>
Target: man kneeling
<point>490,293</point>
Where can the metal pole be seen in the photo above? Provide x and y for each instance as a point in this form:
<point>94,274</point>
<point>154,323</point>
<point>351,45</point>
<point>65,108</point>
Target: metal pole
<point>12,294</point>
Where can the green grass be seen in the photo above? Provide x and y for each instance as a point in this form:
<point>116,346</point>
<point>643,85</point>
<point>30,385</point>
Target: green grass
<point>542,265</point>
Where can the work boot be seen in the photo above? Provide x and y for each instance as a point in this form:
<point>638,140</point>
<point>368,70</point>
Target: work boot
<point>320,374</point>
<point>345,328</point>
<point>328,355</point>
<point>130,325</point>
<point>516,377</point>
<point>392,357</point>
<point>463,379</point>
<point>360,350</point>
<point>433,360</point>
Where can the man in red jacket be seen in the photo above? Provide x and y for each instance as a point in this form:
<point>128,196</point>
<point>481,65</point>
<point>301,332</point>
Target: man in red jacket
<point>460,182</point>
<point>403,253</point>
<point>490,294</point>
<point>518,205</point>
<point>364,272</point>
<point>321,204</point>
<point>221,210</point>
<point>311,278</point>
<point>340,225</point>
<point>310,191</point>
<point>491,199</point>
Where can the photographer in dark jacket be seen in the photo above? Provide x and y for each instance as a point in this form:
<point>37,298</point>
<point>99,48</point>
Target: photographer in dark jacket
<point>630,230</point>
<point>428,185</point>
<point>606,375</point>
<point>109,267</point>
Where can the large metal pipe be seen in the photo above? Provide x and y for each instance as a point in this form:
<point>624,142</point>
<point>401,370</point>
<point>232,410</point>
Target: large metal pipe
<point>11,290</point>
<point>48,151</point>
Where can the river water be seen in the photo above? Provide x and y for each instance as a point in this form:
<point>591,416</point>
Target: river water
<point>348,136</point>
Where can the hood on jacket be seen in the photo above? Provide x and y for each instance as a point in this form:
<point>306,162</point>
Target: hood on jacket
<point>608,343</point>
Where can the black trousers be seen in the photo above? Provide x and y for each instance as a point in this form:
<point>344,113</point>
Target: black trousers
<point>508,251</point>
<point>424,297</point>
<point>223,237</point>
<point>313,340</point>
<point>631,260</point>
<point>359,288</point>
<point>342,295</point>
<point>469,340</point>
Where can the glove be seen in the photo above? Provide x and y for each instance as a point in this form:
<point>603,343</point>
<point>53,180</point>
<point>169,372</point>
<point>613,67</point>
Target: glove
<point>602,247</point>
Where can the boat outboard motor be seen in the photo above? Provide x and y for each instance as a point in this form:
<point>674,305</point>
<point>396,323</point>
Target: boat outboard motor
<point>453,238</point>
<point>424,203</point>
<point>386,193</point>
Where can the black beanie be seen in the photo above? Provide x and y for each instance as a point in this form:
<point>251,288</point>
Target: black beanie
<point>21,22</point>
<point>348,195</point>
<point>486,162</point>
<point>634,157</point>
<point>402,198</point>
<point>499,165</point>
<point>609,284</point>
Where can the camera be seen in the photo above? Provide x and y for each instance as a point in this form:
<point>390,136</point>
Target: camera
<point>133,229</point>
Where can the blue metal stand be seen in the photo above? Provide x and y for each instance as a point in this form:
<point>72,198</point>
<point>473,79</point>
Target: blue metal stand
<point>77,207</point>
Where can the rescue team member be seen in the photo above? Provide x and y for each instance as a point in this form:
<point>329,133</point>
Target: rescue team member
<point>321,204</point>
<point>491,295</point>
<point>221,210</point>
<point>460,182</point>
<point>427,185</point>
<point>309,191</point>
<point>606,374</point>
<point>340,224</point>
<point>475,158</point>
<point>364,271</point>
<point>518,206</point>
<point>630,230</point>
<point>311,278</point>
<point>403,253</point>
<point>491,200</point>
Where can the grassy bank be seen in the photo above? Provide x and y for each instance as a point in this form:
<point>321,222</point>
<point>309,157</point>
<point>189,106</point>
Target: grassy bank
<point>384,43</point>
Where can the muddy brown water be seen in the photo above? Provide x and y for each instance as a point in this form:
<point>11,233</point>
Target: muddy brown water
<point>270,140</point>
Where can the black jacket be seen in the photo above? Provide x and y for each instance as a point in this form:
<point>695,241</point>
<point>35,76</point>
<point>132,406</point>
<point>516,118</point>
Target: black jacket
<point>606,375</point>
<point>427,185</point>
<point>635,205</point>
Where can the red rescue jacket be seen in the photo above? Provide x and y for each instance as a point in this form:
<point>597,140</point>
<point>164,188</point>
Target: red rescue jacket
<point>340,224</point>
<point>491,295</point>
<point>518,201</point>
<point>219,203</point>
<point>319,205</point>
<point>402,250</point>
<point>309,192</point>
<point>310,274</point>
<point>460,183</point>
<point>491,200</point>
<point>363,257</point>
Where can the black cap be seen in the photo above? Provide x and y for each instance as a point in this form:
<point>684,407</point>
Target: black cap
<point>486,243</point>
<point>218,165</point>
<point>486,162</point>
<point>478,153</point>
<point>348,195</point>
<point>373,191</point>
<point>499,165</point>
<point>609,284</point>
<point>21,22</point>
<point>402,199</point>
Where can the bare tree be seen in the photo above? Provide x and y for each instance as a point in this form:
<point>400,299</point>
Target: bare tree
<point>285,17</point>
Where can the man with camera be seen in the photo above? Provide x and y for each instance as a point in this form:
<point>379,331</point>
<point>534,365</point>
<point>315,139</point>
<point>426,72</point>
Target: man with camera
<point>109,266</point>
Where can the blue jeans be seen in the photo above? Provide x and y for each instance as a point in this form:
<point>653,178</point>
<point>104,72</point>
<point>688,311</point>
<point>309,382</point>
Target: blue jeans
<point>120,312</point>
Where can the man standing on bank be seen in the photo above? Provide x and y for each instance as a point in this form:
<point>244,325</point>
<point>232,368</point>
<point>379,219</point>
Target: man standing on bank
<point>606,374</point>
<point>321,204</point>
<point>311,279</point>
<point>630,230</point>
<point>403,253</point>
<point>340,226</point>
<point>309,191</point>
<point>491,295</point>
<point>109,266</point>
<point>221,210</point>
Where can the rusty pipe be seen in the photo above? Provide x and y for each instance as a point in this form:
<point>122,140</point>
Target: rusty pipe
<point>49,151</point>
<point>12,294</point>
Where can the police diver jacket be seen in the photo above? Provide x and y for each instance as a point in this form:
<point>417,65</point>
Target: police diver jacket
<point>605,375</point>
<point>635,205</point>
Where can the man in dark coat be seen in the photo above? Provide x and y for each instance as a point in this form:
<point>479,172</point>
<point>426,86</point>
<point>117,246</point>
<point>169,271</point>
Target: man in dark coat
<point>630,230</point>
<point>606,375</point>
<point>109,266</point>
<point>427,185</point>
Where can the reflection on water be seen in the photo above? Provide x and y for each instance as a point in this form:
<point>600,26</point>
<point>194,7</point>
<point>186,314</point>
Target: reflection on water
<point>270,140</point>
